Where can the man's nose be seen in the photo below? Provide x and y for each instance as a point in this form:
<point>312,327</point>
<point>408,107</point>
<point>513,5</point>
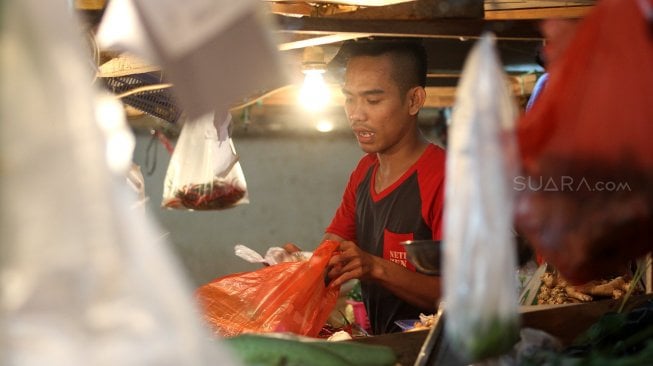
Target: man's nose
<point>355,112</point>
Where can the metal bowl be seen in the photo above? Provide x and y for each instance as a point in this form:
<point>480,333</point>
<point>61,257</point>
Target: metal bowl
<point>424,255</point>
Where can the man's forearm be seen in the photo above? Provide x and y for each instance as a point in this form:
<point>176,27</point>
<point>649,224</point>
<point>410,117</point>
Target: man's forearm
<point>415,288</point>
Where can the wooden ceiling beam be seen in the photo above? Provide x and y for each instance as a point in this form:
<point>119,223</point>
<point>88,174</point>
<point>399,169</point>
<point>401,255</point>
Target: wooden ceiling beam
<point>539,13</point>
<point>436,96</point>
<point>318,41</point>
<point>420,9</point>
<point>300,9</point>
<point>524,29</point>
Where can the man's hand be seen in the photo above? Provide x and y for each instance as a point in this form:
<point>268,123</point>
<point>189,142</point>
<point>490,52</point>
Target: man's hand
<point>291,248</point>
<point>350,263</point>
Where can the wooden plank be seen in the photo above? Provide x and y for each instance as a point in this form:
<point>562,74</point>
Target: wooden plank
<point>539,13</point>
<point>90,4</point>
<point>291,8</point>
<point>522,85</point>
<point>317,41</point>
<point>356,2</point>
<point>436,96</point>
<point>523,29</point>
<point>420,9</point>
<point>531,4</point>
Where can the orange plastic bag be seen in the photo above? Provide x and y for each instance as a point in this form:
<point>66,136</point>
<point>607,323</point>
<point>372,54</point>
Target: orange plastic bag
<point>586,201</point>
<point>285,297</point>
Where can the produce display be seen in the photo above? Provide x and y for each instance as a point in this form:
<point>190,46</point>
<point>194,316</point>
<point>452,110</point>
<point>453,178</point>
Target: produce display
<point>424,322</point>
<point>554,289</point>
<point>616,339</point>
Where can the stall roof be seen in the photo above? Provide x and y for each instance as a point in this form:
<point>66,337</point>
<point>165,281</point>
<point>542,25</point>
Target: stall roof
<point>448,29</point>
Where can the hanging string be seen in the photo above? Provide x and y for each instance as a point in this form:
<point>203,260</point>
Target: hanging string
<point>151,151</point>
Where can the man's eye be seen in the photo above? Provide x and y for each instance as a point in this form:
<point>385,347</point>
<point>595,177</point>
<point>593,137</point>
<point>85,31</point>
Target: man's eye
<point>348,100</point>
<point>373,101</point>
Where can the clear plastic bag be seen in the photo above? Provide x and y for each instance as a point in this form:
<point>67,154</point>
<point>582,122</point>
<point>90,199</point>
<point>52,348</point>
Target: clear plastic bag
<point>481,308</point>
<point>204,172</point>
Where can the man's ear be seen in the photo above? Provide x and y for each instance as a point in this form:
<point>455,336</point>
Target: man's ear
<point>417,97</point>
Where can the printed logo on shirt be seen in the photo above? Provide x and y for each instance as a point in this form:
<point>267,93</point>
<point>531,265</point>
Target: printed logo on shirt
<point>395,252</point>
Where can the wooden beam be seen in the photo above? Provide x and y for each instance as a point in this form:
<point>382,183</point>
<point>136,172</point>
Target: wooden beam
<point>522,85</point>
<point>357,2</point>
<point>525,29</point>
<point>420,9</point>
<point>317,41</point>
<point>531,4</point>
<point>90,4</point>
<point>539,13</point>
<point>291,9</point>
<point>436,96</point>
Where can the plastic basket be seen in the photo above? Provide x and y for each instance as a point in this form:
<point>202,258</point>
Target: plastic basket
<point>155,101</point>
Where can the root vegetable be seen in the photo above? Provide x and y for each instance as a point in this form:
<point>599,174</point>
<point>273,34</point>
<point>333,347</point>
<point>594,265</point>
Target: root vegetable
<point>573,293</point>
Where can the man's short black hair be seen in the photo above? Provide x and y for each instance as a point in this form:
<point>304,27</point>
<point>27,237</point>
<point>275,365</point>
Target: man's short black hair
<point>409,57</point>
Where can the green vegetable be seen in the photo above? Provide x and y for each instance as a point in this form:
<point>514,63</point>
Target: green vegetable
<point>271,351</point>
<point>616,339</point>
<point>361,354</point>
<point>356,293</point>
<point>491,339</point>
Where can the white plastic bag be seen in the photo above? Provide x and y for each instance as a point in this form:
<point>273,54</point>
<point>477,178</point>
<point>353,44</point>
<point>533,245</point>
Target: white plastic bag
<point>204,172</point>
<point>480,289</point>
<point>84,280</point>
<point>274,255</point>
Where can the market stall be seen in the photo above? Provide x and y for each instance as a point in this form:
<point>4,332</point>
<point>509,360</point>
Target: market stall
<point>87,273</point>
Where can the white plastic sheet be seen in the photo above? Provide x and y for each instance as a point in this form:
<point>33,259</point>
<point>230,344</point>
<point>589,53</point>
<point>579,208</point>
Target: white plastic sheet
<point>215,52</point>
<point>480,289</point>
<point>84,280</point>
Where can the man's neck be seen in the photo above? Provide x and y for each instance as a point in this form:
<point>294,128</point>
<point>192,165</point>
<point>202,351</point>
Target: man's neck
<point>393,164</point>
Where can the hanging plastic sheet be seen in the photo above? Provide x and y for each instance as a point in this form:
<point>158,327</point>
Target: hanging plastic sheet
<point>84,279</point>
<point>480,289</point>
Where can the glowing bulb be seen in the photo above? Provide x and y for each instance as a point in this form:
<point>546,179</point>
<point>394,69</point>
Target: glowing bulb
<point>324,125</point>
<point>314,94</point>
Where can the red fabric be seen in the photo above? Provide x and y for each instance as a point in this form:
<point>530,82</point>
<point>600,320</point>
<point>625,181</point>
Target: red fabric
<point>592,126</point>
<point>286,297</point>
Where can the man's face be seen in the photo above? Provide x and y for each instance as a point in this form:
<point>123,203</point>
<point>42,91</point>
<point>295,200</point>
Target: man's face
<point>378,114</point>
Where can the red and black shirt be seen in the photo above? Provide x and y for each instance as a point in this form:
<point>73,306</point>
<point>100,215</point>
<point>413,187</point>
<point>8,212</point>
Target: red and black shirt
<point>409,209</point>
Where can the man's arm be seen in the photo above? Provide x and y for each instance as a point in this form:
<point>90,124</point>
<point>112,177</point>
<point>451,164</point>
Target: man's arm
<point>415,288</point>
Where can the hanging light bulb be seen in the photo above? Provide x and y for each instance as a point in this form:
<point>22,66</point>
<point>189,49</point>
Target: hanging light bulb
<point>314,94</point>
<point>324,125</point>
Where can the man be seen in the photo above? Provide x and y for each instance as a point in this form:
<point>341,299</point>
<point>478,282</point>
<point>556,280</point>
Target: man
<point>396,191</point>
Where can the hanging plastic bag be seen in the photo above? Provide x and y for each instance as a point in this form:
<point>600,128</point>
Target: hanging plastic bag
<point>585,200</point>
<point>204,172</point>
<point>286,297</point>
<point>480,289</point>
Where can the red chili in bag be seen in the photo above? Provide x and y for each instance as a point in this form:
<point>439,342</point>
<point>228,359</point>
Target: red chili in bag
<point>209,196</point>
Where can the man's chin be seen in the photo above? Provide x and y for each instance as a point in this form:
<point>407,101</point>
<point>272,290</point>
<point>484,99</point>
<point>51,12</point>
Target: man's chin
<point>368,148</point>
